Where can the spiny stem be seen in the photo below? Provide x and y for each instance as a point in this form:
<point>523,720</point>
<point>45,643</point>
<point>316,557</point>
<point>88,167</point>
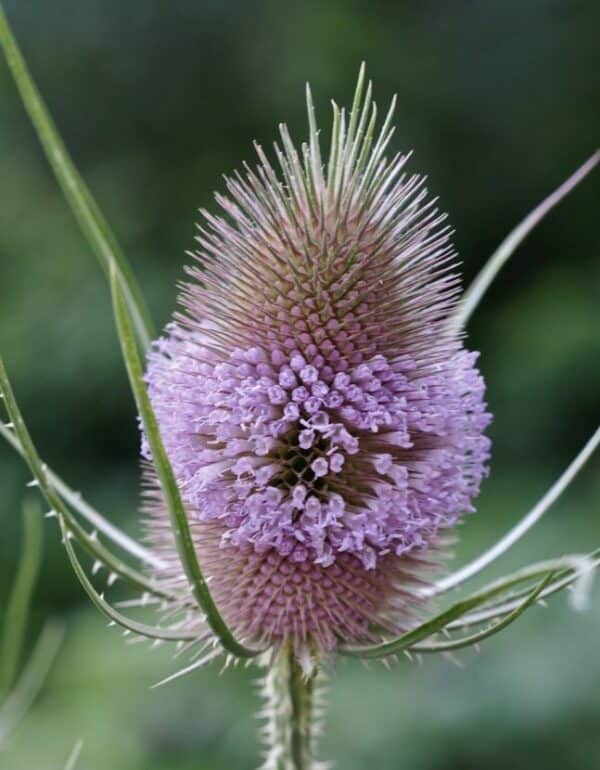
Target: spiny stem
<point>301,691</point>
<point>291,728</point>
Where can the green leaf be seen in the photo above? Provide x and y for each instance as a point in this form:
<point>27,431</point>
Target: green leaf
<point>179,521</point>
<point>473,295</point>
<point>460,609</point>
<point>581,567</point>
<point>15,619</point>
<point>88,215</point>
<point>90,514</point>
<point>521,527</point>
<point>479,636</point>
<point>152,632</point>
<point>39,471</point>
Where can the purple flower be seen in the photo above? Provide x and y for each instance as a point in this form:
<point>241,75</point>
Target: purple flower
<point>324,424</point>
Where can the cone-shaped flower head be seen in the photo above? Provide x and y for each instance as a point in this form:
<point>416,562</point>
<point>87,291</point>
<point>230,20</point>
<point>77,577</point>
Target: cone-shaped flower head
<point>324,424</point>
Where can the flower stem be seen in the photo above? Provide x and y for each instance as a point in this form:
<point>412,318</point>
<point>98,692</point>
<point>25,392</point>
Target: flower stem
<point>290,711</point>
<point>301,698</point>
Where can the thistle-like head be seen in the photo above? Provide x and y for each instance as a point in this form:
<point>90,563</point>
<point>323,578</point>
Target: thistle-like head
<point>317,424</point>
<point>324,422</point>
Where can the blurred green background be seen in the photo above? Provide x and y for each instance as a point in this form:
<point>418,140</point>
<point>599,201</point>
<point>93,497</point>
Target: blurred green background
<point>500,101</point>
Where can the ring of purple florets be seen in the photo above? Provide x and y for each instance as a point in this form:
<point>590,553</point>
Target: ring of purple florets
<point>318,458</point>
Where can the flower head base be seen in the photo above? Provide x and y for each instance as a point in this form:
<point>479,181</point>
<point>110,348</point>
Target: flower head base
<point>324,424</point>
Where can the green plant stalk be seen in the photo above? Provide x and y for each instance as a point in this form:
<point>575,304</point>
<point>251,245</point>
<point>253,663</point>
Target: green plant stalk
<point>141,629</point>
<point>15,619</point>
<point>40,474</point>
<point>493,628</point>
<point>301,718</point>
<point>179,521</point>
<point>92,516</point>
<point>484,279</point>
<point>89,217</point>
<point>460,609</point>
<point>290,730</point>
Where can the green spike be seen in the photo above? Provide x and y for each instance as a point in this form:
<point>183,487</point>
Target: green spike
<point>316,166</point>
<point>356,102</point>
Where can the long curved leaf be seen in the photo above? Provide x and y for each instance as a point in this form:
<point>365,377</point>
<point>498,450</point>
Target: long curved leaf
<point>91,515</point>
<point>137,579</point>
<point>179,521</point>
<point>494,628</point>
<point>460,609</point>
<point>523,526</point>
<point>151,632</point>
<point>563,578</point>
<point>473,295</point>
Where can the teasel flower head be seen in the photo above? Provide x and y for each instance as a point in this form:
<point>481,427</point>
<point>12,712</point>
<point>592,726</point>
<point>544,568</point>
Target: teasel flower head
<point>313,426</point>
<point>324,424</point>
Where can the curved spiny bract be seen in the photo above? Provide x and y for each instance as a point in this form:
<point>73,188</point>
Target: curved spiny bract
<point>324,425</point>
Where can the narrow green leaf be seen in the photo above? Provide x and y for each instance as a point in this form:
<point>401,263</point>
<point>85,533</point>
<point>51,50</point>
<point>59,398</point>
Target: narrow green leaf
<point>456,611</point>
<point>135,578</point>
<point>472,297</point>
<point>31,680</point>
<point>523,526</point>
<point>179,521</point>
<point>15,619</point>
<point>494,628</point>
<point>88,215</point>
<point>152,632</point>
<point>90,514</point>
<point>563,578</point>
<point>107,558</point>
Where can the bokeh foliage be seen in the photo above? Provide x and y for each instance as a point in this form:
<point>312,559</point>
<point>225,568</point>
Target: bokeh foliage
<point>155,100</point>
